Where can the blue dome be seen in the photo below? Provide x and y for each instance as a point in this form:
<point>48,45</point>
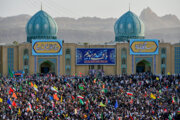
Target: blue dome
<point>41,26</point>
<point>128,26</point>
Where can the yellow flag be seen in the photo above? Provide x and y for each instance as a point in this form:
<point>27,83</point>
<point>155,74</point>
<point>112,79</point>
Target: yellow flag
<point>35,85</point>
<point>37,99</point>
<point>55,88</point>
<point>35,93</point>
<point>1,100</point>
<point>157,78</point>
<point>169,73</point>
<point>102,105</point>
<point>19,112</point>
<point>61,98</point>
<point>153,96</point>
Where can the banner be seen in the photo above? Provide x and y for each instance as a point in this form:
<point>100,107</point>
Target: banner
<point>46,47</point>
<point>91,56</point>
<point>144,46</point>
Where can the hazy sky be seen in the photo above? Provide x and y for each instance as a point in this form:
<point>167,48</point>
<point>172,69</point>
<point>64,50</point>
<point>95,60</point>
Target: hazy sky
<point>83,8</point>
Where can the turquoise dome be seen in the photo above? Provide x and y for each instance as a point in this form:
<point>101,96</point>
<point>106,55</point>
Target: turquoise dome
<point>128,26</point>
<point>41,26</point>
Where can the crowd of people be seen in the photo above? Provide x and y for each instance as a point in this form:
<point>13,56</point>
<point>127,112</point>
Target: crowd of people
<point>141,96</point>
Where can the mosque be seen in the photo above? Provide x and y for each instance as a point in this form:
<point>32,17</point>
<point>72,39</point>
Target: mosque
<point>130,52</point>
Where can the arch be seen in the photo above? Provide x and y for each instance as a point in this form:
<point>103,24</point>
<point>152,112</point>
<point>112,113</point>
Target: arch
<point>68,51</point>
<point>163,51</point>
<point>143,66</point>
<point>26,60</point>
<point>26,52</point>
<point>47,67</point>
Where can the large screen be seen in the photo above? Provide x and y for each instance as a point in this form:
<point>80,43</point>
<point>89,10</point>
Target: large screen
<point>144,46</point>
<point>91,56</point>
<point>46,47</point>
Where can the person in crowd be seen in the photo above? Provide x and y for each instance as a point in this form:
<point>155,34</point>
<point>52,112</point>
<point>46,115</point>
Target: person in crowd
<point>142,96</point>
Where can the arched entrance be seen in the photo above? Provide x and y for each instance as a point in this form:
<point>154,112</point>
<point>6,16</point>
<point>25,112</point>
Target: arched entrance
<point>47,67</point>
<point>143,66</point>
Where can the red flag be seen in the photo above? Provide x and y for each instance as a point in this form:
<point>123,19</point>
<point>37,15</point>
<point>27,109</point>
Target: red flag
<point>68,85</point>
<point>145,95</point>
<point>55,97</point>
<point>14,104</point>
<point>129,93</point>
<point>131,117</point>
<point>131,101</point>
<point>165,110</point>
<point>73,97</point>
<point>9,107</point>
<point>11,90</point>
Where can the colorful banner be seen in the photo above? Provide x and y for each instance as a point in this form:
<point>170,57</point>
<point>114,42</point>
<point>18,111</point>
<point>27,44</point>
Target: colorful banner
<point>144,46</point>
<point>46,47</point>
<point>91,56</point>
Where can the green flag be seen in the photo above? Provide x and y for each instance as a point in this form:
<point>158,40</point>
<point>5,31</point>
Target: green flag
<point>84,81</point>
<point>81,87</point>
<point>170,117</point>
<point>104,90</point>
<point>160,91</point>
<point>20,88</point>
<point>81,101</point>
<point>101,116</point>
<point>10,72</point>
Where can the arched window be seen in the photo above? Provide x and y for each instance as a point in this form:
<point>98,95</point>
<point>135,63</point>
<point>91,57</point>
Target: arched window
<point>163,71</point>
<point>163,51</point>
<point>99,67</point>
<point>68,51</point>
<point>67,61</point>
<point>26,61</point>
<point>26,71</point>
<point>123,61</point>
<point>163,61</point>
<point>26,52</point>
<point>123,70</point>
<point>91,66</point>
<point>68,71</point>
<point>123,51</point>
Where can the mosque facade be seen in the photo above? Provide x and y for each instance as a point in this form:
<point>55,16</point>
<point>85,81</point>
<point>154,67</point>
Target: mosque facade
<point>130,52</point>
